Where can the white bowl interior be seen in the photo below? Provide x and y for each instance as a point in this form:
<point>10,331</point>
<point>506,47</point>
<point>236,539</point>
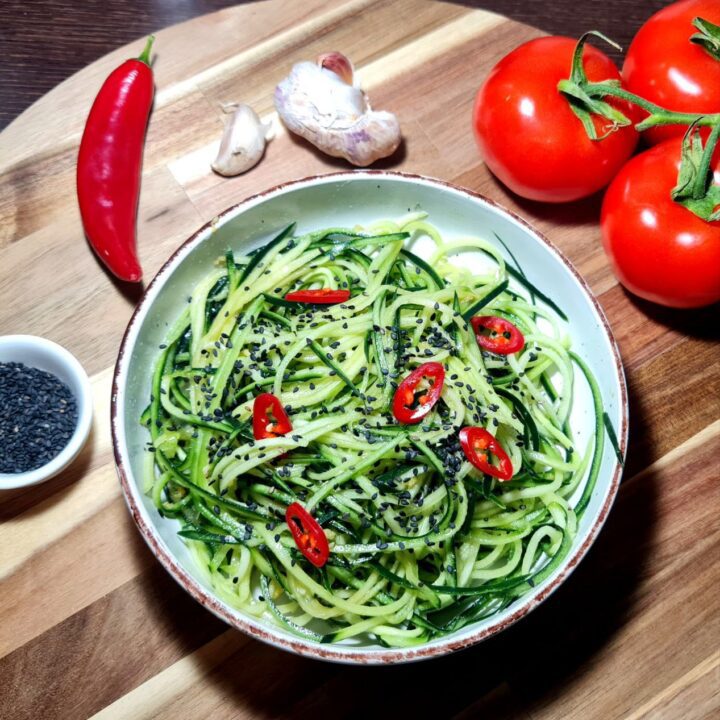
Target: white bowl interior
<point>347,200</point>
<point>46,355</point>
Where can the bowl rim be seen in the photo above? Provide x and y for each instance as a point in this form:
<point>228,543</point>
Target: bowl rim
<point>300,646</point>
<point>14,481</point>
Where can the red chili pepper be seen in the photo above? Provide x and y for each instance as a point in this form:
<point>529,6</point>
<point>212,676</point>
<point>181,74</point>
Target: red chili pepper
<point>269,417</point>
<point>413,399</point>
<point>476,444</point>
<point>307,534</point>
<point>320,296</point>
<point>109,164</point>
<point>504,337</point>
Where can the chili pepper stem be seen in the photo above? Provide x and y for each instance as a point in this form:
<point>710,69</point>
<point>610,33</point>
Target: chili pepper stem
<point>145,54</point>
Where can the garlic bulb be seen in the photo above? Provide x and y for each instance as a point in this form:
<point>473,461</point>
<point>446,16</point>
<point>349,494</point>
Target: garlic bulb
<point>322,103</point>
<point>243,141</point>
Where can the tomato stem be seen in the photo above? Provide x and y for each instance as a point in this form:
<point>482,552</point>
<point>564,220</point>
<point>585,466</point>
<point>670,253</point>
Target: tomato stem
<point>708,38</point>
<point>695,189</point>
<point>584,106</point>
<point>658,115</point>
<point>586,99</point>
<point>577,72</point>
<point>700,187</point>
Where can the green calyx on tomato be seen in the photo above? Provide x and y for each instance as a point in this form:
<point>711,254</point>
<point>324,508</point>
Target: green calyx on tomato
<point>696,189</point>
<point>582,104</point>
<point>586,100</point>
<point>708,38</point>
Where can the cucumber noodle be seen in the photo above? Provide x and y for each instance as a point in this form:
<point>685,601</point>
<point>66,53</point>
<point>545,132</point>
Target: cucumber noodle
<point>421,543</point>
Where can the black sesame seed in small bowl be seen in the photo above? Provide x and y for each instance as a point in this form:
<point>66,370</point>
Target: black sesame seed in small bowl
<point>45,410</point>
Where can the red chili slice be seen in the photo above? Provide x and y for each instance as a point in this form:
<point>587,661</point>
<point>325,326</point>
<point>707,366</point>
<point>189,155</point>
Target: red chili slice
<point>320,296</point>
<point>504,338</point>
<point>413,399</point>
<point>477,443</point>
<point>269,417</point>
<point>307,534</point>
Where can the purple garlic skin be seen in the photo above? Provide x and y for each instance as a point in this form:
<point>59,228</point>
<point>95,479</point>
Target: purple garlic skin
<point>335,116</point>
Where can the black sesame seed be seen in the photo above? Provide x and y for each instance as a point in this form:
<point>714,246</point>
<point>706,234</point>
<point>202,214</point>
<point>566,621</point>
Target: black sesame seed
<point>38,415</point>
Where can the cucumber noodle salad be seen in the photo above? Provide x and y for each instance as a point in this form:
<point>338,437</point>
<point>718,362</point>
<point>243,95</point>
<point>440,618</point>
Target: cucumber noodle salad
<point>361,443</point>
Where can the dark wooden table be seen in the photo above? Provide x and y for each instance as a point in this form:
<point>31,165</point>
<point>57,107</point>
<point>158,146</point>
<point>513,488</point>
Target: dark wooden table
<point>90,623</point>
<point>44,41</point>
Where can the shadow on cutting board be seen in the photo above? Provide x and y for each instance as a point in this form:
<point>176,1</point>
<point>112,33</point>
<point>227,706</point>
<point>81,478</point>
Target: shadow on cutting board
<point>700,323</point>
<point>342,165</point>
<point>31,499</point>
<point>619,26</point>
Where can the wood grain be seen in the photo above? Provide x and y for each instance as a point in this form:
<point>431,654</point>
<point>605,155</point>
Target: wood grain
<point>44,43</point>
<point>90,624</point>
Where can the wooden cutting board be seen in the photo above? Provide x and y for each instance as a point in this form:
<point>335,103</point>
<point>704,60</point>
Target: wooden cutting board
<point>90,622</point>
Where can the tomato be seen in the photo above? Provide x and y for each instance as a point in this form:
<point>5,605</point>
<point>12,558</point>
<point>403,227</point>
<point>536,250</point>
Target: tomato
<point>529,136</point>
<point>659,249</point>
<point>664,67</point>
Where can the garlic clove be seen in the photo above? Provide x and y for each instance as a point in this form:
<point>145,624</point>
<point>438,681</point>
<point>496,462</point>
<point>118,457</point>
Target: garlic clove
<point>316,103</point>
<point>339,64</point>
<point>243,141</point>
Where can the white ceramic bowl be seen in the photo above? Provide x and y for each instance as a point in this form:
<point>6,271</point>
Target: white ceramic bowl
<point>46,355</point>
<point>346,199</point>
